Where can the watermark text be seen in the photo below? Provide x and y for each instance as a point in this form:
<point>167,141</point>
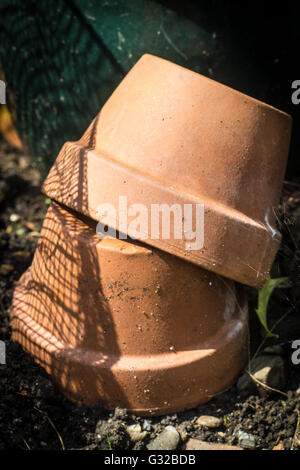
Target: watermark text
<point>160,221</point>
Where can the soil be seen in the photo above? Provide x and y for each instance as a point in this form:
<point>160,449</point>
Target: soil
<point>34,415</point>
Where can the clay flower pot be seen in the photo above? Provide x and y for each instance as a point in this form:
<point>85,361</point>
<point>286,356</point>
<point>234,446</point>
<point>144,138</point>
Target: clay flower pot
<point>152,325</point>
<point>126,324</point>
<point>169,135</point>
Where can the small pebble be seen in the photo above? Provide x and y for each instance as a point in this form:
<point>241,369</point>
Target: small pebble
<point>267,369</point>
<point>135,432</point>
<point>24,162</point>
<point>34,234</point>
<point>246,441</point>
<point>167,440</point>
<point>120,413</point>
<point>14,218</point>
<point>146,425</point>
<point>30,226</point>
<point>209,421</point>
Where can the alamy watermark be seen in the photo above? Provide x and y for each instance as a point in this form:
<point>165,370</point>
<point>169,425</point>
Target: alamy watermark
<point>2,353</point>
<point>2,92</point>
<point>296,94</point>
<point>295,356</point>
<point>160,221</point>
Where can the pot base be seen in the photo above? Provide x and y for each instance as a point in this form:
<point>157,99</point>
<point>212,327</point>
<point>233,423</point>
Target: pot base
<point>144,385</point>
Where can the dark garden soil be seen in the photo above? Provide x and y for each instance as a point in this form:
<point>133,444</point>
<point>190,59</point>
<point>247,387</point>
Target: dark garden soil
<point>34,415</point>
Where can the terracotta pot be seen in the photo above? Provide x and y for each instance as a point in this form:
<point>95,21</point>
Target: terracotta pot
<point>169,135</point>
<point>127,324</point>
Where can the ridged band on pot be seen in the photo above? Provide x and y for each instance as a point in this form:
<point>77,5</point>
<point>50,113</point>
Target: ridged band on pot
<point>169,135</point>
<point>125,324</point>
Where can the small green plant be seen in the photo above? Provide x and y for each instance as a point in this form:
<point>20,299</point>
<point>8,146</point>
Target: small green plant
<point>48,201</point>
<point>263,299</point>
<point>108,441</point>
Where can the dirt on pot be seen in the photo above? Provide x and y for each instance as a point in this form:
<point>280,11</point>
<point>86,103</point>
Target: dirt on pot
<point>34,415</point>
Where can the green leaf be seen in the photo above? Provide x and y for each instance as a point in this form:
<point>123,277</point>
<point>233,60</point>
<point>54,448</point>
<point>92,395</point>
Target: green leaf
<point>263,299</point>
<point>108,441</point>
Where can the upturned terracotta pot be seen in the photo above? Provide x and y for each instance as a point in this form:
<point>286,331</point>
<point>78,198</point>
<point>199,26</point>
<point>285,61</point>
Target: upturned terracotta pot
<point>126,324</point>
<point>169,135</point>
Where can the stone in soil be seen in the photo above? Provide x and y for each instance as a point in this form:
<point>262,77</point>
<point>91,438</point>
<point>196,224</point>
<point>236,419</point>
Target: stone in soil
<point>135,432</point>
<point>266,369</point>
<point>245,440</point>
<point>209,421</point>
<point>167,440</point>
<point>146,425</point>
